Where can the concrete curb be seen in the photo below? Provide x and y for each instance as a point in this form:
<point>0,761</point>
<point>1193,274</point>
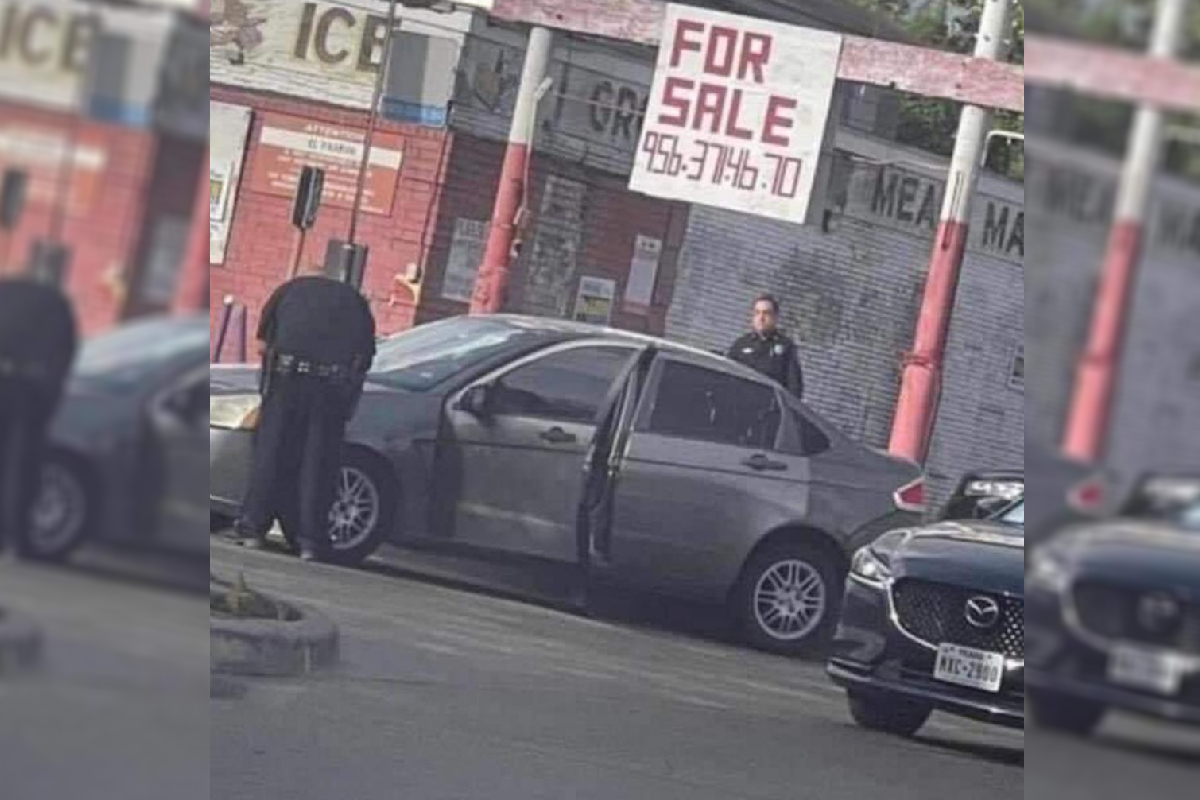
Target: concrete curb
<point>20,643</point>
<point>268,648</point>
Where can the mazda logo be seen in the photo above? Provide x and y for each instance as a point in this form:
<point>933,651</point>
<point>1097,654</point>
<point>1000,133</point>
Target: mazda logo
<point>982,612</point>
<point>1158,613</point>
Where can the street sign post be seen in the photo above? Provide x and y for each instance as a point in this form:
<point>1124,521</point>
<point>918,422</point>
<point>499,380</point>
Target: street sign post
<point>737,113</point>
<point>304,212</point>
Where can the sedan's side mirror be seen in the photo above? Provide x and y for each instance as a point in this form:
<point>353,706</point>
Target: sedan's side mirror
<point>477,400</point>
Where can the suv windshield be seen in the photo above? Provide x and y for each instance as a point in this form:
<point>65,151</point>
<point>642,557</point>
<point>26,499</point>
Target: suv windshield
<point>423,357</point>
<point>124,358</point>
<point>1014,514</point>
<point>1175,501</point>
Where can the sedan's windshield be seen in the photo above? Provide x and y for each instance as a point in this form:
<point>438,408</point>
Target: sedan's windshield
<point>123,359</point>
<point>423,357</point>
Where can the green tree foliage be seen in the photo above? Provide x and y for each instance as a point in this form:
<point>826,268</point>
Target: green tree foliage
<point>931,124</point>
<point>1125,23</point>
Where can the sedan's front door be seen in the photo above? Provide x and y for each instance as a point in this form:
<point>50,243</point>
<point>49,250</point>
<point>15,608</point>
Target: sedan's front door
<point>512,470</point>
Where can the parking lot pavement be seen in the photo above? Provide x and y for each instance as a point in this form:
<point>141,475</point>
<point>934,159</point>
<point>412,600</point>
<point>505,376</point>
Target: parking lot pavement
<point>445,693</point>
<point>1129,759</point>
<point>119,707</point>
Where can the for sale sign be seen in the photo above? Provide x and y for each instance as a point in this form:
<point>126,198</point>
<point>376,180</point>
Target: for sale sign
<point>737,113</point>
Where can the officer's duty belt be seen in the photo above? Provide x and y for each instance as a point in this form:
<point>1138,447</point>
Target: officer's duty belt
<point>11,368</point>
<point>291,365</point>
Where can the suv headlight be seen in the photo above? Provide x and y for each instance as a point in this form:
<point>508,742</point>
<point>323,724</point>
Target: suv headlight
<point>1047,572</point>
<point>870,568</point>
<point>233,412</point>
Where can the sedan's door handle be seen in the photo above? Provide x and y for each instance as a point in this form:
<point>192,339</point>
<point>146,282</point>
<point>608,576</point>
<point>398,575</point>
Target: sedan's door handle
<point>760,463</point>
<point>557,435</point>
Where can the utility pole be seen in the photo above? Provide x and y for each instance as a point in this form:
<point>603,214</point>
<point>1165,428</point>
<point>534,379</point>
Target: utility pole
<point>491,285</point>
<point>349,258</point>
<point>921,385</point>
<point>1095,382</point>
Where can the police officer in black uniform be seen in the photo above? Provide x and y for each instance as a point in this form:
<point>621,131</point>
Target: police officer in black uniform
<point>769,351</point>
<point>38,340</point>
<point>318,337</point>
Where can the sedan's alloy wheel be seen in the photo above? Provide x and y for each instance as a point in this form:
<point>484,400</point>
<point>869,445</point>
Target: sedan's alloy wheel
<point>355,511</point>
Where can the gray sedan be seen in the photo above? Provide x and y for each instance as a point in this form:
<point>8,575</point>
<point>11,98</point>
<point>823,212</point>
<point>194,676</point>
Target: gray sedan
<point>660,467</point>
<point>125,464</point>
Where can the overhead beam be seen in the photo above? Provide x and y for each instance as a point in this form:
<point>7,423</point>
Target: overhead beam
<point>1112,73</point>
<point>932,73</point>
<point>907,68</point>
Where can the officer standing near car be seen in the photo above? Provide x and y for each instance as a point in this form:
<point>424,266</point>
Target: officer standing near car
<point>38,341</point>
<point>318,338</point>
<point>767,350</point>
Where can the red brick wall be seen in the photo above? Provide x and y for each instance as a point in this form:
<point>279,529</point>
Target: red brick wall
<point>104,239</point>
<point>260,237</point>
<point>613,218</point>
<point>443,176</point>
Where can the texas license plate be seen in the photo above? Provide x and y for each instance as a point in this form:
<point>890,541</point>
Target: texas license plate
<point>966,666</point>
<point>1146,670</point>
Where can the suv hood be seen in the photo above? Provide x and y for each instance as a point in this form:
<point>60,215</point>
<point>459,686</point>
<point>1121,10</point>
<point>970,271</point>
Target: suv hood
<point>1129,551</point>
<point>982,555</point>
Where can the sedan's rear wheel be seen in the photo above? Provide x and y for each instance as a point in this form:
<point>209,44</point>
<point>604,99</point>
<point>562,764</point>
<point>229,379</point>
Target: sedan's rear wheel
<point>1064,714</point>
<point>788,598</point>
<point>897,716</point>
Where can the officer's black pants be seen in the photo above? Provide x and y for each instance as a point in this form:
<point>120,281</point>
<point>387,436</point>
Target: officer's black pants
<point>25,413</point>
<point>297,459</point>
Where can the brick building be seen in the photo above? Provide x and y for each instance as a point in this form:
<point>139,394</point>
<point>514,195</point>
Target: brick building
<point>429,205</point>
<point>113,164</point>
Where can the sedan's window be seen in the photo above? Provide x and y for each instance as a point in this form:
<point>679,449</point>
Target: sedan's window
<point>568,385</point>
<point>698,403</point>
<point>813,440</point>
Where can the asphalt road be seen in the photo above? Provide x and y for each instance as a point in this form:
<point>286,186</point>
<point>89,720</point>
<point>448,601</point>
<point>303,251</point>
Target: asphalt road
<point>1129,759</point>
<point>448,694</point>
<point>119,707</point>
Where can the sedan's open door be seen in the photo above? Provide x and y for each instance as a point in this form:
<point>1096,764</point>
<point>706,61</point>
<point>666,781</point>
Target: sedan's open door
<point>602,464</point>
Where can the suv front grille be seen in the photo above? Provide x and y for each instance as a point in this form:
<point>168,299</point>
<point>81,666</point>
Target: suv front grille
<point>935,613</point>
<point>1114,612</point>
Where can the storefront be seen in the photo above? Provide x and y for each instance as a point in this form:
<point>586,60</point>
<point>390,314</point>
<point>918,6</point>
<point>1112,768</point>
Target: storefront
<point>112,163</point>
<point>291,85</point>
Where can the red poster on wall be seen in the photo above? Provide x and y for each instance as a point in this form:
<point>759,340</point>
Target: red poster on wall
<point>287,144</point>
<point>44,154</point>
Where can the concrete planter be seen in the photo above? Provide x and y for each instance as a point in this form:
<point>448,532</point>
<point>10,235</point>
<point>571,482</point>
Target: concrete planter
<point>301,643</point>
<point>20,643</point>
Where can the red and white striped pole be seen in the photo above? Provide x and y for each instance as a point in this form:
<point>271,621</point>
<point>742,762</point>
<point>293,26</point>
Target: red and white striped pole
<point>916,407</point>
<point>1095,381</point>
<point>491,285</point>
